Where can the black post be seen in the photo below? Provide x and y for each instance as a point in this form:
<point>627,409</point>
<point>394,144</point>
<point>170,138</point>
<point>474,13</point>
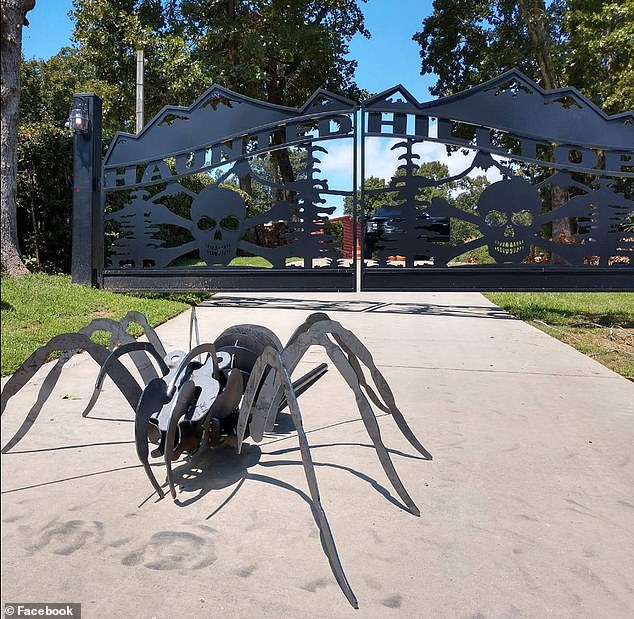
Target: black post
<point>87,248</point>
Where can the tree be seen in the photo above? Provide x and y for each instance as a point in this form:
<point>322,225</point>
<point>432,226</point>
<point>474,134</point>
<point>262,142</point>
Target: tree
<point>44,158</point>
<point>107,35</point>
<point>373,199</point>
<point>44,195</point>
<point>47,86</point>
<point>597,51</point>
<point>464,193</point>
<point>13,19</point>
<point>580,43</point>
<point>278,51</point>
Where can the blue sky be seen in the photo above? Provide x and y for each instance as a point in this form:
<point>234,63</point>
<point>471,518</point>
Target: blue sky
<point>389,56</point>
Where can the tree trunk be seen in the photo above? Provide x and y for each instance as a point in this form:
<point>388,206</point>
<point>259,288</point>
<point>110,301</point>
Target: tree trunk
<point>534,13</point>
<point>13,19</point>
<point>274,88</point>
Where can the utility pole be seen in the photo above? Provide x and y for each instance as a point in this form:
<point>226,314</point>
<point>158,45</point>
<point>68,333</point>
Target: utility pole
<point>140,62</point>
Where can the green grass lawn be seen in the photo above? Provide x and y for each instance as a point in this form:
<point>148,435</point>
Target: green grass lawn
<point>600,325</point>
<point>240,261</point>
<point>37,307</point>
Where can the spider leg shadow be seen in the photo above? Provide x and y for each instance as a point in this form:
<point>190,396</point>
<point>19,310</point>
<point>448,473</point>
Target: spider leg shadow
<point>214,469</point>
<point>382,490</point>
<point>332,557</point>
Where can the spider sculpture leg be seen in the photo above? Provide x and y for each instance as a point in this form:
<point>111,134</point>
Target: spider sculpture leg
<point>319,317</point>
<point>196,393</point>
<point>315,333</point>
<point>356,351</point>
<point>193,328</point>
<point>265,422</point>
<point>159,404</point>
<point>153,398</point>
<point>119,335</point>
<point>315,336</point>
<point>270,359</point>
<point>150,333</point>
<point>223,406</point>
<point>115,354</point>
<point>66,342</point>
<point>182,402</point>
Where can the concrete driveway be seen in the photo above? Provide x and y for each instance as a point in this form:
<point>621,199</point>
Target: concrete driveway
<point>527,508</point>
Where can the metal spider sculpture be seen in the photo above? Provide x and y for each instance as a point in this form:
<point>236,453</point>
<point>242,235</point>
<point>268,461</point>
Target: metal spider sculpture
<point>236,391</point>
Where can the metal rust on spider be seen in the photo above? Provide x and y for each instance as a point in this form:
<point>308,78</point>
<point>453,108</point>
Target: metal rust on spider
<point>222,392</point>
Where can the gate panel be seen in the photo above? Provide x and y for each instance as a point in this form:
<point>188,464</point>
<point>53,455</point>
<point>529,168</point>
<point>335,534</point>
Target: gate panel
<point>229,194</point>
<point>502,187</point>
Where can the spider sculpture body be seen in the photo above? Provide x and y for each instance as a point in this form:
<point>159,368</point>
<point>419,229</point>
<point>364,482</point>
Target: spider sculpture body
<point>222,392</point>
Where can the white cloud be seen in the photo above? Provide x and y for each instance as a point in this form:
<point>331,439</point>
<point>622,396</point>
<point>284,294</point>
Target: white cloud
<point>381,161</point>
<point>337,164</point>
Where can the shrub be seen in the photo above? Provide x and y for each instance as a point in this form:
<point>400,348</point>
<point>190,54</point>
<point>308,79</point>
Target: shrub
<point>44,204</point>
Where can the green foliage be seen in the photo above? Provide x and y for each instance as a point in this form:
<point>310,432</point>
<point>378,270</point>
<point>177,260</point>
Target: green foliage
<point>598,48</point>
<point>600,325</point>
<point>47,86</point>
<point>373,201</point>
<point>465,42</point>
<point>190,44</point>
<point>335,228</point>
<point>37,307</point>
<point>581,43</point>
<point>239,261</point>
<point>479,255</point>
<point>107,35</point>
<point>560,308</point>
<point>44,206</point>
<point>463,194</point>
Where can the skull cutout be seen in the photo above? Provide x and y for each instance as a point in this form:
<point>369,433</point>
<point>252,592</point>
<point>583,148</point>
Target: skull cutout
<point>218,216</point>
<point>509,211</point>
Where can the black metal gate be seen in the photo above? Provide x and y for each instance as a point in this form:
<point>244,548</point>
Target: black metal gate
<point>502,187</point>
<point>226,194</point>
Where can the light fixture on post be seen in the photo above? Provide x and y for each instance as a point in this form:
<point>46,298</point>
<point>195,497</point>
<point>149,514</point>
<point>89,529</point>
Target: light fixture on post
<point>78,119</point>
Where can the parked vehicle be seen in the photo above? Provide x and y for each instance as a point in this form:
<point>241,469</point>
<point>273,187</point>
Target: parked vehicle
<point>386,225</point>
